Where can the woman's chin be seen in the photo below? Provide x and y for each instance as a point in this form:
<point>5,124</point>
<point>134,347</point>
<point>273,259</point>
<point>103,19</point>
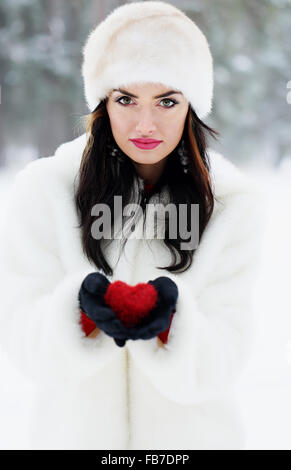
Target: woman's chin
<point>146,159</point>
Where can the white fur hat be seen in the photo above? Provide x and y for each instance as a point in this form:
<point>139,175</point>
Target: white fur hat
<point>150,41</point>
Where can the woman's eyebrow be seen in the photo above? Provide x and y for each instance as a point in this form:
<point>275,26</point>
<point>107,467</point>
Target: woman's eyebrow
<point>168,93</point>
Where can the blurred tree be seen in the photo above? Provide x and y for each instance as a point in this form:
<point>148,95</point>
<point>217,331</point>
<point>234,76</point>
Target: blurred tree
<point>250,44</point>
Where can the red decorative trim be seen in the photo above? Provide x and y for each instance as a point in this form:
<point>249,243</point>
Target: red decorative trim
<point>164,335</point>
<point>86,323</point>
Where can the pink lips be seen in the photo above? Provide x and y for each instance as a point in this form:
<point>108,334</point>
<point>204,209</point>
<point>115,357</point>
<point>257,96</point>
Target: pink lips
<point>145,143</point>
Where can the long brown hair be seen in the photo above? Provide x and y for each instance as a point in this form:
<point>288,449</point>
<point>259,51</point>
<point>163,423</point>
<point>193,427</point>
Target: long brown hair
<point>101,177</point>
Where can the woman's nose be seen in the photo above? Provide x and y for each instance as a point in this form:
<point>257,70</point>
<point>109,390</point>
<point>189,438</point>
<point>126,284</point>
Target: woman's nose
<point>146,123</point>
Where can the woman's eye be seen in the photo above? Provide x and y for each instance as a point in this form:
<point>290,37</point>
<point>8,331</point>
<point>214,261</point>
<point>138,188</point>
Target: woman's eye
<point>165,99</point>
<point>168,99</point>
<point>122,98</point>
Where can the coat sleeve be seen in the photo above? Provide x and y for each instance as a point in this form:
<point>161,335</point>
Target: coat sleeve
<point>212,332</point>
<point>40,327</point>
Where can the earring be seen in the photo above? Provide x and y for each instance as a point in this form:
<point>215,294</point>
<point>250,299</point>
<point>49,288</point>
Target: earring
<point>115,151</point>
<point>184,156</point>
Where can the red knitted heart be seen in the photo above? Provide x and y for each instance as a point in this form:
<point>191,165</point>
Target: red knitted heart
<point>131,303</point>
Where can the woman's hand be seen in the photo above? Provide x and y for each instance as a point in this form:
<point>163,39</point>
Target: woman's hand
<point>160,343</point>
<point>119,309</point>
<point>93,333</point>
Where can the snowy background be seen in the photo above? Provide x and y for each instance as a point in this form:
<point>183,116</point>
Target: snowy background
<point>41,103</point>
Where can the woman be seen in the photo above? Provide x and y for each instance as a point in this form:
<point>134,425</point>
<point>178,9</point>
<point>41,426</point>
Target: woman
<point>133,342</point>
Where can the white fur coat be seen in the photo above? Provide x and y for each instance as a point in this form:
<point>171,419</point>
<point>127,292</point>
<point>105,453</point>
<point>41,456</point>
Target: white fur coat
<point>92,394</point>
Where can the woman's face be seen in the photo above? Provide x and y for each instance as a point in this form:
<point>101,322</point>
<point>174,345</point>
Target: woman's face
<point>147,115</point>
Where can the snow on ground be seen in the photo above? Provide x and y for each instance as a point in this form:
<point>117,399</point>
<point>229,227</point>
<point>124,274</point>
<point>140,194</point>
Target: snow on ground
<point>264,388</point>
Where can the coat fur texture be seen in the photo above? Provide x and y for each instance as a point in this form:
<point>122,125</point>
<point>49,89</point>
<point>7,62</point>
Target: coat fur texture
<point>91,394</point>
